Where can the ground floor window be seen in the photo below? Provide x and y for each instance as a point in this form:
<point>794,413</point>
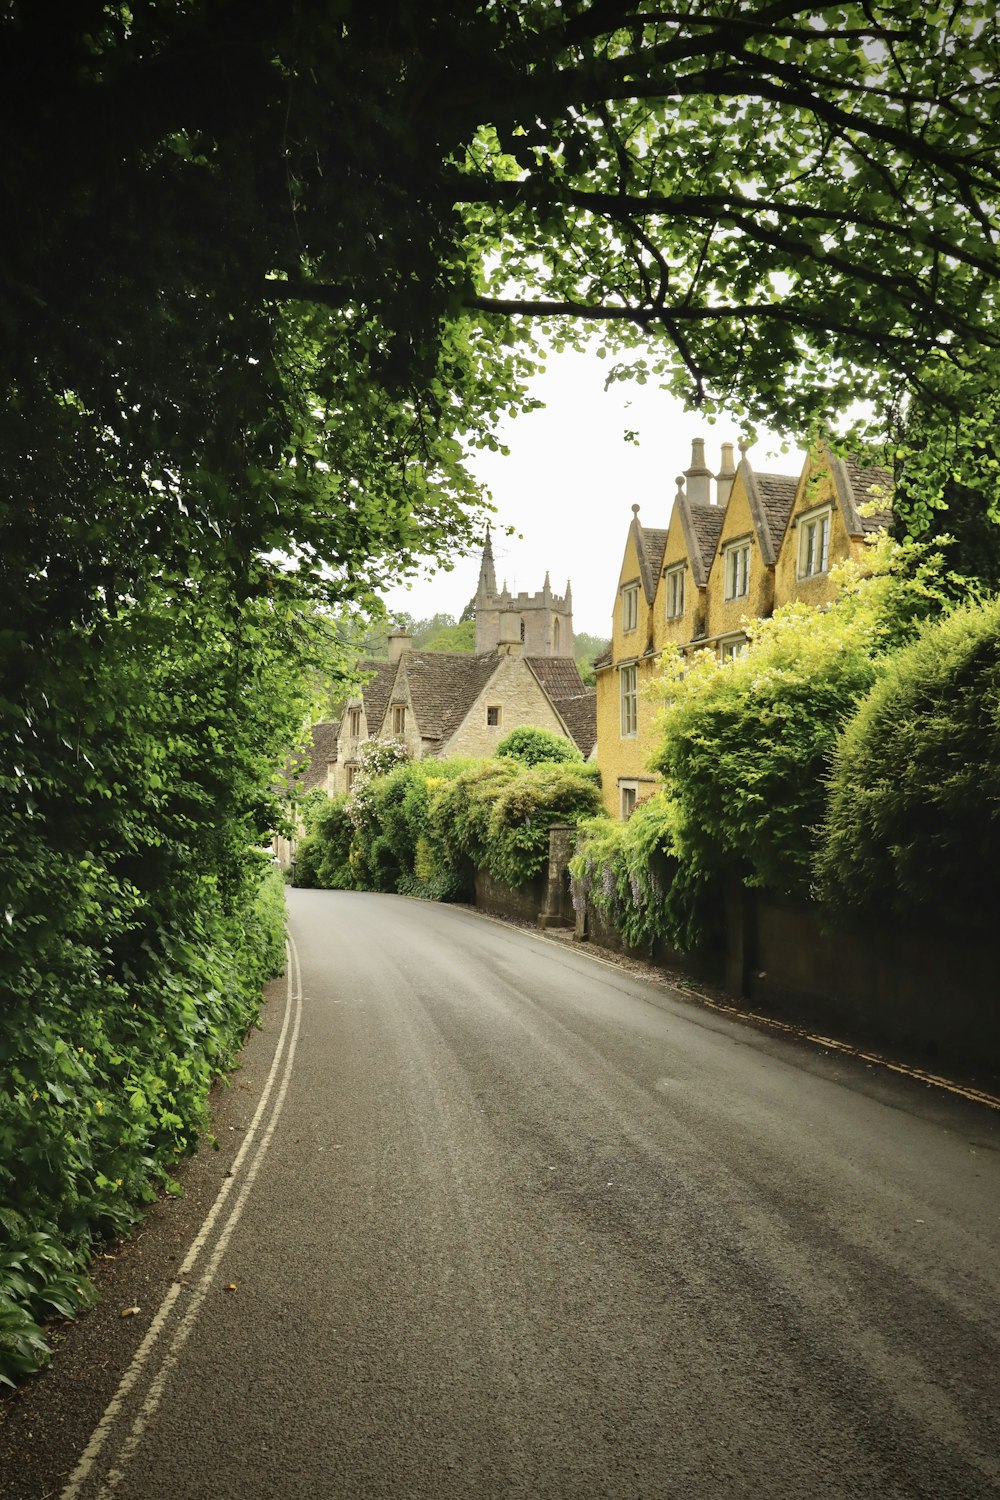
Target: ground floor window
<point>628,792</point>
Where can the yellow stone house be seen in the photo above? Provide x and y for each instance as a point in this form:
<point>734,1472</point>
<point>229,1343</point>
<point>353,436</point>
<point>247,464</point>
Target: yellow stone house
<point>738,544</point>
<point>627,739</point>
<point>838,503</point>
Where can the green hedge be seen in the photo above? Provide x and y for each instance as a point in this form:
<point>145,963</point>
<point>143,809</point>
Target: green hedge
<point>424,827</point>
<point>913,821</point>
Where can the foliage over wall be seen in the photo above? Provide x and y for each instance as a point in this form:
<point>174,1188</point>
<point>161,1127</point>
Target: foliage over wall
<point>423,827</point>
<point>746,750</point>
<point>533,746</point>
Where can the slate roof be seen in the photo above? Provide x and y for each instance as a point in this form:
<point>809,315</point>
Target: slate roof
<point>443,686</point>
<point>777,496</point>
<point>579,714</point>
<point>559,675</point>
<point>872,485</point>
<point>576,704</point>
<point>375,692</point>
<point>321,749</point>
<point>652,544</point>
<point>705,523</point>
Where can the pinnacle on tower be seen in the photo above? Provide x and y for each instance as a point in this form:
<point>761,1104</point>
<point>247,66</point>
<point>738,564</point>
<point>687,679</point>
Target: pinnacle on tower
<point>487,573</point>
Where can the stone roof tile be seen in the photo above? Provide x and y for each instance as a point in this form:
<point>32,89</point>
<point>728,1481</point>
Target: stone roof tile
<point>579,714</point>
<point>321,749</point>
<point>872,486</point>
<point>653,543</point>
<point>443,687</point>
<point>706,522</point>
<point>777,495</point>
<point>375,692</point>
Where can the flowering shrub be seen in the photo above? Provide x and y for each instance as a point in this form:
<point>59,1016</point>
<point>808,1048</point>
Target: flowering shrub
<point>631,875</point>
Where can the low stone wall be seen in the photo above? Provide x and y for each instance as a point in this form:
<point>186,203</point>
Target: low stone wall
<point>921,996</point>
<point>524,902</point>
<point>919,993</point>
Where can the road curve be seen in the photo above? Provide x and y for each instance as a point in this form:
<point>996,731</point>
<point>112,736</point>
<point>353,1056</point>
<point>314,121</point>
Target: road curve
<point>526,1225</point>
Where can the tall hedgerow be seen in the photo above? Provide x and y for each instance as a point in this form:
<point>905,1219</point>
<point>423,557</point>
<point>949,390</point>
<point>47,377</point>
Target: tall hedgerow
<point>913,818</point>
<point>139,924</point>
<point>746,744</point>
<point>745,751</point>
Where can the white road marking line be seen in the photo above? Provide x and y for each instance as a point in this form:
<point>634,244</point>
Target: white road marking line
<point>99,1437</point>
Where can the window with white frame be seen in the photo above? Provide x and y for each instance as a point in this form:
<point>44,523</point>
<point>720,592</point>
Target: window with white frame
<point>630,607</point>
<point>628,792</point>
<point>814,544</point>
<point>732,646</point>
<point>674,580</point>
<point>628,678</point>
<point>737,563</point>
<point>493,715</point>
<point>399,718</point>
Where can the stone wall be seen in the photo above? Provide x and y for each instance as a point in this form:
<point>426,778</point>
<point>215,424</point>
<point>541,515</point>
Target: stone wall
<point>924,997</point>
<point>523,902</point>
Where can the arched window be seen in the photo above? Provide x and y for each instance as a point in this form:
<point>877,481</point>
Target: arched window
<point>555,637</point>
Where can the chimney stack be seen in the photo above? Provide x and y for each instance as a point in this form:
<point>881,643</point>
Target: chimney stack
<point>726,475</point>
<point>698,476</point>
<point>399,642</point>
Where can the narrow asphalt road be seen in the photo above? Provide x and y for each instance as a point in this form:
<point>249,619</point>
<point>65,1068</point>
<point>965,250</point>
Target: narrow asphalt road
<point>499,1220</point>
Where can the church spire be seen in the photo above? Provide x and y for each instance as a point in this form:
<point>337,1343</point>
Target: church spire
<point>487,573</point>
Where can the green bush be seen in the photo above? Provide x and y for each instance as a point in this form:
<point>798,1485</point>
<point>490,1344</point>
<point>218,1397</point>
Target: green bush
<point>913,822</point>
<point>323,853</point>
<point>495,815</point>
<point>632,876</point>
<point>746,744</point>
<point>533,746</point>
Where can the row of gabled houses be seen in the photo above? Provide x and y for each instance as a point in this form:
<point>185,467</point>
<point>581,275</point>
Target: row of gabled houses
<point>738,544</point>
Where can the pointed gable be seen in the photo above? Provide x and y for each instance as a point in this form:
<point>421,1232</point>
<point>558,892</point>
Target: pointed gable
<point>375,693</point>
<point>858,489</point>
<point>441,687</point>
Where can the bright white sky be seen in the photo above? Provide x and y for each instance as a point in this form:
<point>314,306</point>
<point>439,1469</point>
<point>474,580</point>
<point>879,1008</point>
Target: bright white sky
<point>569,484</point>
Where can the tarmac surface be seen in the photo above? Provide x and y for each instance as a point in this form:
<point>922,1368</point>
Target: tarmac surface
<point>491,1218</point>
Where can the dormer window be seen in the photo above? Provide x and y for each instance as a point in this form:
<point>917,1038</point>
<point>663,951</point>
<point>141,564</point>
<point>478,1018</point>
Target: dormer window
<point>399,718</point>
<point>814,543</point>
<point>674,580</point>
<point>630,607</point>
<point>736,558</point>
<point>353,723</point>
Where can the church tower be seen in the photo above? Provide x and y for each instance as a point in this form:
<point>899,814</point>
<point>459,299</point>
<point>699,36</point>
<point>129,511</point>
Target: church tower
<point>546,618</point>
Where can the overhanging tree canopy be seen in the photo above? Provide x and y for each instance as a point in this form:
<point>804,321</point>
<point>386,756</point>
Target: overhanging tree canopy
<point>267,259</point>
